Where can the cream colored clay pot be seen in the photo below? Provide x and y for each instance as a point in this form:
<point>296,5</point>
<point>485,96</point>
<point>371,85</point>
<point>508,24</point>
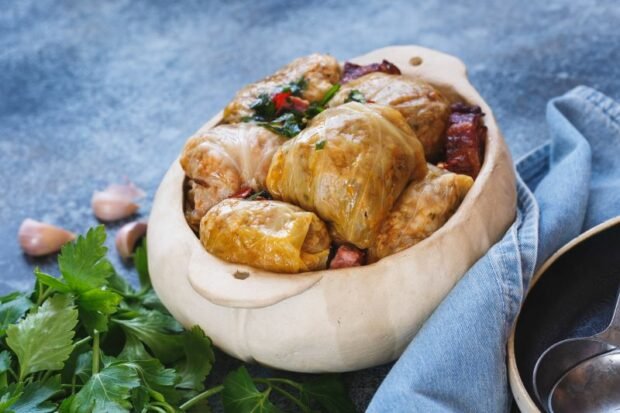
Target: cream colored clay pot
<point>333,320</point>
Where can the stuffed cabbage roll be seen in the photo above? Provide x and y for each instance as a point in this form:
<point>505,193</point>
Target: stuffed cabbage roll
<point>319,71</point>
<point>421,210</point>
<point>424,108</point>
<point>221,161</point>
<point>271,235</point>
<point>349,166</point>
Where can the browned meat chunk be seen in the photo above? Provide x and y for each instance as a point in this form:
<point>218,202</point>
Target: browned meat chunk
<point>348,256</point>
<point>465,139</point>
<point>352,71</point>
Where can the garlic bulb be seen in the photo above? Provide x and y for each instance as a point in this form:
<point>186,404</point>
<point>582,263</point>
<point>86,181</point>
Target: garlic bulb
<point>38,238</point>
<point>116,202</point>
<point>128,236</point>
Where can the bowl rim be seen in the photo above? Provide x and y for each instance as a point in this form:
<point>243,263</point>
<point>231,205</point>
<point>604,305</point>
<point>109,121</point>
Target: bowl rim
<point>522,397</point>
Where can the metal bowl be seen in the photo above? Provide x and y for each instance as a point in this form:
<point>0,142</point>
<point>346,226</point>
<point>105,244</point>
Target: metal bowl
<point>572,295</point>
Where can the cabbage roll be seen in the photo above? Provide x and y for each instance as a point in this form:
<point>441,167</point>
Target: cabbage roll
<point>349,166</point>
<point>421,210</point>
<point>319,71</point>
<point>271,235</point>
<point>424,108</point>
<point>221,161</point>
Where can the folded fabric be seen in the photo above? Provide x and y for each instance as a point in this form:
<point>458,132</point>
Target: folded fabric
<point>457,361</point>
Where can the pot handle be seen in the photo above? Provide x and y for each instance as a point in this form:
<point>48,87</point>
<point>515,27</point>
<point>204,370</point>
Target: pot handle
<point>241,286</point>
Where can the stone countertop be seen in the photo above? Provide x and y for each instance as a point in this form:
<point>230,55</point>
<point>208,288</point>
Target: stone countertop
<point>99,92</point>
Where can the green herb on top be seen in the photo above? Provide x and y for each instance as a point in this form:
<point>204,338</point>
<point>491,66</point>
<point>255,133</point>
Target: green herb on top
<point>288,125</point>
<point>260,195</point>
<point>297,87</point>
<point>320,145</point>
<point>285,112</point>
<point>331,92</point>
<point>355,96</point>
<point>264,108</point>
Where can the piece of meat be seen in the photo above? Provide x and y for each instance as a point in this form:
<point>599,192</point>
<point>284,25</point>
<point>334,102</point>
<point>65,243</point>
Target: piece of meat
<point>353,71</point>
<point>347,256</point>
<point>465,138</point>
<point>242,193</point>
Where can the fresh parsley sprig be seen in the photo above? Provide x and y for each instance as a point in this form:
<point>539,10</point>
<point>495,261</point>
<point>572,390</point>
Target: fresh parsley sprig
<point>89,342</point>
<point>288,119</point>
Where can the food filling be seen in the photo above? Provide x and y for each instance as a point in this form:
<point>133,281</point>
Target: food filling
<point>316,167</point>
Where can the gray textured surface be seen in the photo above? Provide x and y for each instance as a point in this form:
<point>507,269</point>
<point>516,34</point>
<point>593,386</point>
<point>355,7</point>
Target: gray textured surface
<point>96,92</point>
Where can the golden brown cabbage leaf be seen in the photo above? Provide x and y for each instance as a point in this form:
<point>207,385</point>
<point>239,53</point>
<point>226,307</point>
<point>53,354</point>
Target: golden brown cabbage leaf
<point>349,165</point>
<point>271,235</point>
<point>320,72</point>
<point>421,210</point>
<point>222,160</point>
<point>424,107</point>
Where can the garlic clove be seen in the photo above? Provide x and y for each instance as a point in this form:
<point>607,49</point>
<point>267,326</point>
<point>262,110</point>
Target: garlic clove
<point>128,236</point>
<point>111,206</point>
<point>116,202</point>
<point>38,238</point>
<point>128,190</point>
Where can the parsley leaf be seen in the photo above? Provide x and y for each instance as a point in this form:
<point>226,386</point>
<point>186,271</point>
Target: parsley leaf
<point>5,365</point>
<point>355,96</point>
<point>51,281</point>
<point>240,394</point>
<point>85,272</point>
<point>43,340</point>
<point>155,329</point>
<point>329,392</point>
<point>119,285</point>
<point>12,310</point>
<point>289,124</point>
<point>5,361</point>
<point>264,108</point>
<point>83,263</point>
<point>320,145</point>
<point>140,262</point>
<point>297,87</point>
<point>96,306</point>
<point>35,396</point>
<point>199,359</point>
<point>7,400</point>
<point>107,391</point>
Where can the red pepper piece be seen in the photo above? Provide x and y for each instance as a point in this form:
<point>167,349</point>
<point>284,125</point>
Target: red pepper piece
<point>280,100</point>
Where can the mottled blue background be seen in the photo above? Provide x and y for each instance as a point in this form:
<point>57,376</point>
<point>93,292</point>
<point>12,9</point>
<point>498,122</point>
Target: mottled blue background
<point>95,92</point>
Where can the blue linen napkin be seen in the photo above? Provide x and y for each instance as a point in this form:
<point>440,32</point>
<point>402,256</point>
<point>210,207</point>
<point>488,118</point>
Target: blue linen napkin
<point>457,362</point>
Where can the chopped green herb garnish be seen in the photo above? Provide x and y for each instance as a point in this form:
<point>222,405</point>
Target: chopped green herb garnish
<point>56,358</point>
<point>260,195</point>
<point>288,125</point>
<point>355,96</point>
<point>320,145</point>
<point>296,88</point>
<point>264,108</point>
<point>331,92</point>
<point>280,115</point>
